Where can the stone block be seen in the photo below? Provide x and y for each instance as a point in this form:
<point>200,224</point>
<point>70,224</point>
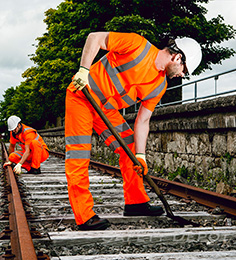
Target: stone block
<point>219,145</point>
<point>192,146</point>
<point>230,121</point>
<point>231,143</point>
<point>177,144</point>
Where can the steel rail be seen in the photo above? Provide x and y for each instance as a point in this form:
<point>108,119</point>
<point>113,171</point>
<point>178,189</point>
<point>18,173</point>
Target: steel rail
<point>204,197</point>
<point>201,196</point>
<point>21,241</point>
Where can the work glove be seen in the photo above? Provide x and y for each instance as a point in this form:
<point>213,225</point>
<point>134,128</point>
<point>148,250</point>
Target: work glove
<point>80,79</point>
<point>8,163</point>
<point>142,159</point>
<point>17,168</point>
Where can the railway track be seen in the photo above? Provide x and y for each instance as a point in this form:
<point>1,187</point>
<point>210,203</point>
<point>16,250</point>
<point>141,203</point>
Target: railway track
<point>50,221</point>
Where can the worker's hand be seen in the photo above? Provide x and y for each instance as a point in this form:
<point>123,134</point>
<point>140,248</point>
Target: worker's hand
<point>17,168</point>
<point>80,79</point>
<point>142,159</point>
<point>8,163</point>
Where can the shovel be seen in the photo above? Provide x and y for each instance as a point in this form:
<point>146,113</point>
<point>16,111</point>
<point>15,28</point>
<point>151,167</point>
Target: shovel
<point>182,222</point>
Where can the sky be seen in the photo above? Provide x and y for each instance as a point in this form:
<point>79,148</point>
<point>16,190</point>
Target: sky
<point>21,22</point>
<point>225,8</point>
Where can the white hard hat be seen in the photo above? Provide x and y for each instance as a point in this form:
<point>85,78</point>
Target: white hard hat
<point>192,51</point>
<point>12,122</point>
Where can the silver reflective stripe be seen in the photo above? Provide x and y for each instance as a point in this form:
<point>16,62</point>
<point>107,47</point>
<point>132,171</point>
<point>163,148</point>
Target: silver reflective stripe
<point>156,91</point>
<point>115,144</point>
<point>109,106</point>
<point>112,72</point>
<point>96,90</point>
<point>79,139</point>
<point>128,100</point>
<point>137,60</point>
<point>27,129</point>
<point>120,128</point>
<point>19,154</point>
<point>105,134</point>
<point>129,139</point>
<point>78,154</point>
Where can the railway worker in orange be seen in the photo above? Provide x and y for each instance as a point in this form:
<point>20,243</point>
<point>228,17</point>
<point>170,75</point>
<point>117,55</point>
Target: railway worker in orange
<point>34,150</point>
<point>133,70</point>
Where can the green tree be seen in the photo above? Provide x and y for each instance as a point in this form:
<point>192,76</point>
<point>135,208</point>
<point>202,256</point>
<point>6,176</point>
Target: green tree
<point>58,52</point>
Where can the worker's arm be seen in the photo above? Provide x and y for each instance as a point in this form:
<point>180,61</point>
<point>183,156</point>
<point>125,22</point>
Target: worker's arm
<point>93,44</point>
<point>95,41</point>
<point>17,168</point>
<point>25,154</point>
<point>11,148</point>
<point>141,130</point>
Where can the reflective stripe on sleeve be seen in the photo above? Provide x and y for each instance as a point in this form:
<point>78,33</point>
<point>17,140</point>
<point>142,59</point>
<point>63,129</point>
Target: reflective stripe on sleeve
<point>156,91</point>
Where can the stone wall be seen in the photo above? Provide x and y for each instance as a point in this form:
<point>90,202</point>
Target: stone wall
<point>54,138</point>
<point>199,137</point>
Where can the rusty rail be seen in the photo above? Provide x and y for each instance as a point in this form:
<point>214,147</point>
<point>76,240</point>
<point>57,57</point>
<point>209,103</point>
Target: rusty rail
<point>21,241</point>
<point>201,196</point>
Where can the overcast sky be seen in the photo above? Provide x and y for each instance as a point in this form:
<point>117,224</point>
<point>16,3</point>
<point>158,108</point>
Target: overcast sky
<point>21,22</point>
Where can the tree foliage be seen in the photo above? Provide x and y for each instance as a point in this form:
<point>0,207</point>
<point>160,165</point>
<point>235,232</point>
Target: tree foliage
<point>41,97</point>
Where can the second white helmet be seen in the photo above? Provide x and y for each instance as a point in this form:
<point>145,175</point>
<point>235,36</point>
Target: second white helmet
<point>12,122</point>
<point>192,51</point>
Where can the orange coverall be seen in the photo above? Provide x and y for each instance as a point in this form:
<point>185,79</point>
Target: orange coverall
<point>38,148</point>
<point>124,76</point>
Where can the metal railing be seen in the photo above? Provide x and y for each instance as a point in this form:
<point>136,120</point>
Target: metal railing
<point>195,87</point>
<point>195,84</point>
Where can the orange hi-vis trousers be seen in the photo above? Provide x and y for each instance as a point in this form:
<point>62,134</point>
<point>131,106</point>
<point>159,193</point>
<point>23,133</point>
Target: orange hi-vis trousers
<point>80,120</point>
<point>37,155</point>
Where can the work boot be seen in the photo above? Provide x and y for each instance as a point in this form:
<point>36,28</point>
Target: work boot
<point>34,171</point>
<point>143,209</point>
<point>95,223</point>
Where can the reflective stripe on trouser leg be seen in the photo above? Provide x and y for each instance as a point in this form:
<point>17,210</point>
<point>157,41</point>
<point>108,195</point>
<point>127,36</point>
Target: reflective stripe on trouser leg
<point>78,131</point>
<point>38,154</point>
<point>16,156</point>
<point>134,191</point>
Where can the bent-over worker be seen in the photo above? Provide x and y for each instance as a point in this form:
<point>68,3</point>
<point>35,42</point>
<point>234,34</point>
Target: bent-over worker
<point>133,70</point>
<point>34,150</point>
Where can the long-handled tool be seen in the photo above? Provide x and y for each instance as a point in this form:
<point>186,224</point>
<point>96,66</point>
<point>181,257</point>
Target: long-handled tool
<point>148,179</point>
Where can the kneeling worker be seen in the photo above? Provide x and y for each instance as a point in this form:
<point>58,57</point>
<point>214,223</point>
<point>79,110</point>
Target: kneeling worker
<point>34,150</point>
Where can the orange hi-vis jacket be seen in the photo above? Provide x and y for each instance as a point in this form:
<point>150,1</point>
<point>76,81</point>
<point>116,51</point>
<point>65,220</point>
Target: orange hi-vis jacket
<point>130,72</point>
<point>26,136</point>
